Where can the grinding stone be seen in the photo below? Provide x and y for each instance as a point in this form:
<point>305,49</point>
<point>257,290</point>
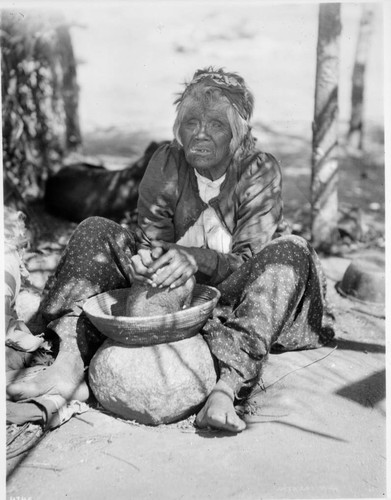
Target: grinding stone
<point>153,384</point>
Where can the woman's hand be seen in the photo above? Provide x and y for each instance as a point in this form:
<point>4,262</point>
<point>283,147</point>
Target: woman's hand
<point>140,264</point>
<point>173,267</point>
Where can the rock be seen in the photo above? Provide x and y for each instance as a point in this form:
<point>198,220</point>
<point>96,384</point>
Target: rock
<point>144,300</point>
<point>153,384</point>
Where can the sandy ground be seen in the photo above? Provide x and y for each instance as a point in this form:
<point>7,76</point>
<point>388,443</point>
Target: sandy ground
<point>141,53</point>
<point>318,431</point>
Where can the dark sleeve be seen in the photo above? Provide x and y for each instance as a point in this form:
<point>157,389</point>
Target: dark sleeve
<point>259,214</point>
<point>260,205</point>
<point>158,193</point>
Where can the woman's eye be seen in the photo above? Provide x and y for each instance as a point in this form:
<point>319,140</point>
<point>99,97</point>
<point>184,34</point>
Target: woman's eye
<point>216,125</point>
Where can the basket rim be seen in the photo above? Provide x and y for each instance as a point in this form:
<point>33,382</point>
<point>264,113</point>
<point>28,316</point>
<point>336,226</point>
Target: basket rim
<point>130,319</point>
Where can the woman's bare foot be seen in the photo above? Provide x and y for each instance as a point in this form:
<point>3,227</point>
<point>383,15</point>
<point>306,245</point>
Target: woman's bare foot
<point>219,411</point>
<point>65,377</point>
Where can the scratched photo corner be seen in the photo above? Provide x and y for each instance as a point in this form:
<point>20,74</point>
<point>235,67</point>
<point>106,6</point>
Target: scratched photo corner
<point>194,250</point>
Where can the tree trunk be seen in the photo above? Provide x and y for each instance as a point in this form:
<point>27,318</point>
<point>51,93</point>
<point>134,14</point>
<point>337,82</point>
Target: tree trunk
<point>39,98</point>
<point>355,134</point>
<point>324,195</point>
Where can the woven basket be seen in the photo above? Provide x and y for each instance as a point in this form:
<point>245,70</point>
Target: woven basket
<point>106,312</point>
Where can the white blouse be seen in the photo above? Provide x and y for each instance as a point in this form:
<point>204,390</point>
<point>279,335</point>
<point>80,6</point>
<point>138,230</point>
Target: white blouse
<point>208,231</point>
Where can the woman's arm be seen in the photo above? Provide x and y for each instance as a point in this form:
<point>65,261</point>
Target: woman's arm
<point>259,210</point>
<point>158,194</point>
<point>259,213</point>
<point>258,202</point>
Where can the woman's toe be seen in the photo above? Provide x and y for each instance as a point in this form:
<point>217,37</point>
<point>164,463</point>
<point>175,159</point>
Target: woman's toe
<point>216,419</point>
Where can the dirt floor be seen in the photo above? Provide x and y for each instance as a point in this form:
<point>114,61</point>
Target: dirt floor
<point>318,431</point>
<point>319,428</point>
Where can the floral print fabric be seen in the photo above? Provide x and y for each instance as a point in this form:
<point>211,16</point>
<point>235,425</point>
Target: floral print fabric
<point>276,300</point>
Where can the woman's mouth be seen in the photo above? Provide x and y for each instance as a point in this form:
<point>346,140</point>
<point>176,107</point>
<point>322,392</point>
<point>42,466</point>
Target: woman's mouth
<point>199,150</point>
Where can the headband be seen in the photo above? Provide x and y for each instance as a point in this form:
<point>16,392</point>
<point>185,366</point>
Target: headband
<point>231,84</point>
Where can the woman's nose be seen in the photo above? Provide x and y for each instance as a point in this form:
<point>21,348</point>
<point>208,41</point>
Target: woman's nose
<point>202,130</point>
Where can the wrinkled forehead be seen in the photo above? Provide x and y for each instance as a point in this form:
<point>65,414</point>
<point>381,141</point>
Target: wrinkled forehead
<point>207,100</point>
<point>207,95</point>
<point>217,109</point>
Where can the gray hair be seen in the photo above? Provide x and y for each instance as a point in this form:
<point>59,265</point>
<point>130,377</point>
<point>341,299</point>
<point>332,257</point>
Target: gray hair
<point>242,142</point>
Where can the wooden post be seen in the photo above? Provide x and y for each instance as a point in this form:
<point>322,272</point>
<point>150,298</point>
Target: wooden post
<point>70,88</point>
<point>355,134</point>
<point>324,182</point>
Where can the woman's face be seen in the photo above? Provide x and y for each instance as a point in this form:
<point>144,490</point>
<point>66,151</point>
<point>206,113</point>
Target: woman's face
<point>206,134</point>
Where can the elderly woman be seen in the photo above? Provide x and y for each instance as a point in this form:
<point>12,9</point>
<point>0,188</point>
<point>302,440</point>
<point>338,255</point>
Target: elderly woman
<point>209,206</point>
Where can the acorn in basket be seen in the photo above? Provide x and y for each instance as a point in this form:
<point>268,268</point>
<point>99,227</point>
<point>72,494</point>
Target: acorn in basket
<point>144,300</point>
